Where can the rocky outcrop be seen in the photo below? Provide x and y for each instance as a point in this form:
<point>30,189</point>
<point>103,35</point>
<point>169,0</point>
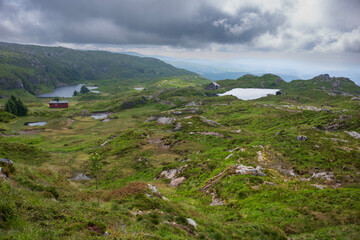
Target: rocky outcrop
<point>215,134</point>
<point>161,120</point>
<point>169,174</point>
<point>210,122</point>
<point>242,169</point>
<point>324,175</point>
<point>353,134</point>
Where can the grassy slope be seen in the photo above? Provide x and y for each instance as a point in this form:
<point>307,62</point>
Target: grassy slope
<point>39,69</point>
<point>40,202</point>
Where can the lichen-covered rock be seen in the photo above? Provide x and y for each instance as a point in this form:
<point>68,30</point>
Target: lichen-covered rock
<point>242,169</point>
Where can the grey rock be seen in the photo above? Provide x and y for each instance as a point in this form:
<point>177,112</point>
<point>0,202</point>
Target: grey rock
<point>153,189</point>
<point>355,99</point>
<point>353,134</point>
<point>212,86</point>
<point>7,161</point>
<point>177,127</point>
<point>191,222</point>
<point>169,174</point>
<point>324,175</point>
<point>216,201</point>
<point>242,169</point>
<point>301,138</point>
<point>318,186</point>
<point>177,181</point>
<point>165,120</point>
<point>81,177</point>
<point>210,122</point>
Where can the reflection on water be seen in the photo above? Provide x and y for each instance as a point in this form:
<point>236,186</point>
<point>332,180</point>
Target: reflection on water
<point>67,92</point>
<point>249,93</point>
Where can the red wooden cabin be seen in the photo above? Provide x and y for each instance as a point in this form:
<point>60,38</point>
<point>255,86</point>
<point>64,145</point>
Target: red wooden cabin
<point>59,104</point>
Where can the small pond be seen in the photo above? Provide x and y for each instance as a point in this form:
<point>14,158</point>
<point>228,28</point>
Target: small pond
<point>33,124</point>
<point>97,116</point>
<point>249,93</point>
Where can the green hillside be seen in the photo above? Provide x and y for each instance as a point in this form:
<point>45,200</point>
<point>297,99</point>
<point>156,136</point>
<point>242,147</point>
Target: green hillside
<point>335,85</point>
<point>39,69</point>
<point>277,167</point>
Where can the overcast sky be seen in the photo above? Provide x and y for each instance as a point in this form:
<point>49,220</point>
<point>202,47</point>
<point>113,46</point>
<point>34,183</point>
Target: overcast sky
<point>324,32</point>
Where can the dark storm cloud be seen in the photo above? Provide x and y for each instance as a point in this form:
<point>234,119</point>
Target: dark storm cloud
<point>324,25</point>
<point>162,22</point>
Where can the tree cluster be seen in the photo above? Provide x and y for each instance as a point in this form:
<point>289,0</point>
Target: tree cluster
<point>15,106</point>
<point>84,89</point>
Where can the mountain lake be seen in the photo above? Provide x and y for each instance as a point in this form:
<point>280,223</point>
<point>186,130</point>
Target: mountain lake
<point>249,93</point>
<point>66,91</point>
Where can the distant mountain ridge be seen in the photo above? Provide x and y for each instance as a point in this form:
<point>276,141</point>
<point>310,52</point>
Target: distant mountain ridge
<point>37,69</point>
<point>323,82</point>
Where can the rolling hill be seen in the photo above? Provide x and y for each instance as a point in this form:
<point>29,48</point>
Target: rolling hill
<point>38,69</point>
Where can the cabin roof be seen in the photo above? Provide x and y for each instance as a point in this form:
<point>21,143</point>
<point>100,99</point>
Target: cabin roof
<point>59,102</point>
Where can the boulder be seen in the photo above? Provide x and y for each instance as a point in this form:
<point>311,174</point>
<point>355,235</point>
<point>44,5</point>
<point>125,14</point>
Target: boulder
<point>191,222</point>
<point>81,177</point>
<point>301,138</point>
<point>169,174</point>
<point>177,181</point>
<point>7,161</point>
<point>355,99</point>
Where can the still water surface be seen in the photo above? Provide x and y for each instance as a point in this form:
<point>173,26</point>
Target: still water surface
<point>249,93</point>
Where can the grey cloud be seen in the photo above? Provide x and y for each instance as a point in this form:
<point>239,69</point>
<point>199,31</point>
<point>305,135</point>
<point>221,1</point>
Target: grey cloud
<point>184,23</point>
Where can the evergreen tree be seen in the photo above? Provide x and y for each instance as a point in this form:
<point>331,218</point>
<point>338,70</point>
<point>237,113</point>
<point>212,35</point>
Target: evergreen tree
<point>84,89</point>
<point>75,93</point>
<point>15,106</point>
